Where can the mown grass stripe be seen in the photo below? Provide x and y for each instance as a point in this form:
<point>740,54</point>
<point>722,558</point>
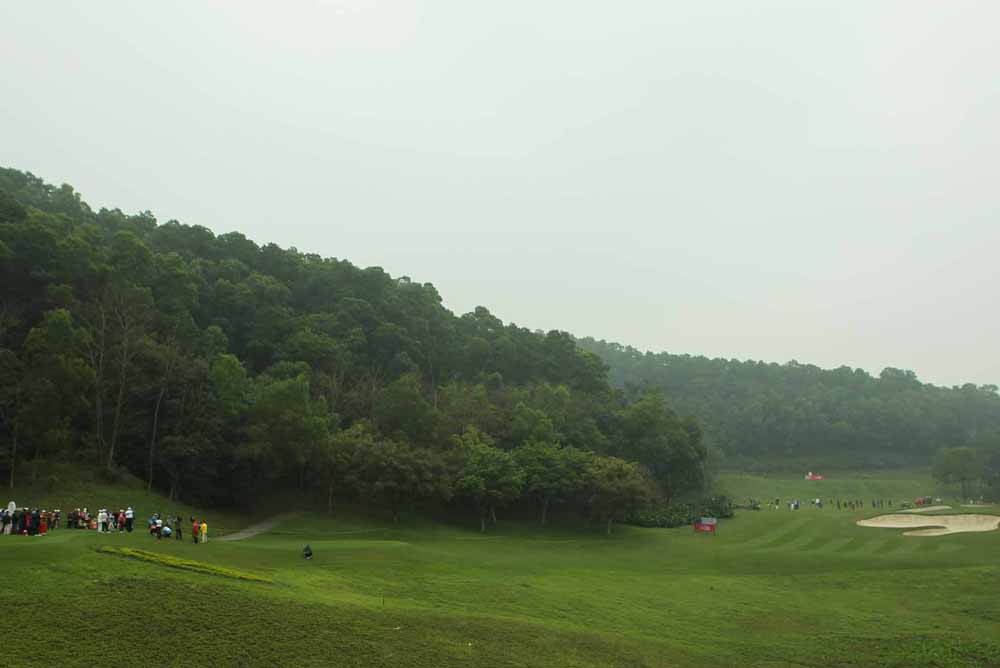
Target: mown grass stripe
<point>889,546</point>
<point>855,544</point>
<point>929,544</point>
<point>819,541</point>
<point>181,564</point>
<point>785,537</point>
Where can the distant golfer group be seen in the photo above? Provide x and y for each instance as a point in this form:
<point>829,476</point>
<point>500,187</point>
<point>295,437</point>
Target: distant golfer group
<point>842,504</point>
<point>34,522</point>
<point>107,521</point>
<point>15,521</point>
<point>160,527</point>
<point>24,521</point>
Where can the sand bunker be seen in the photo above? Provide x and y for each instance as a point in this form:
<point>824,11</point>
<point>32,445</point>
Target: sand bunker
<point>926,509</point>
<point>939,525</point>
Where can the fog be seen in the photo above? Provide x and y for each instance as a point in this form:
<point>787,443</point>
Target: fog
<point>794,180</point>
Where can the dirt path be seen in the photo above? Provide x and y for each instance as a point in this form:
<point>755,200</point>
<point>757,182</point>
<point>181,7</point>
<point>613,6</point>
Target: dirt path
<point>258,528</point>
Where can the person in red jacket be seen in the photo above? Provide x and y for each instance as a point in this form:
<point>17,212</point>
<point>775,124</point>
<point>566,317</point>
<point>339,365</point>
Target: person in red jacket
<point>195,529</point>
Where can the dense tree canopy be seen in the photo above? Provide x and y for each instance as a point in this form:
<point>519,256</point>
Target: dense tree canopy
<point>219,369</point>
<point>962,466</point>
<point>799,415</point>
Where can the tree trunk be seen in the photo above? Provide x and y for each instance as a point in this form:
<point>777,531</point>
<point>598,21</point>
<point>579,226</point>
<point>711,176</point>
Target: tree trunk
<point>96,352</point>
<point>152,439</point>
<point>99,415</point>
<point>13,454</point>
<point>493,515</point>
<point>545,510</point>
<point>34,459</point>
<point>482,522</point>
<point>610,521</point>
<point>119,403</point>
<point>434,387</point>
<point>329,497</point>
<point>372,387</point>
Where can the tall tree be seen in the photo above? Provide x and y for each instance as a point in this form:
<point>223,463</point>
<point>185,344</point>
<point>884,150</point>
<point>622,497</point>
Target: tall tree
<point>11,399</point>
<point>614,488</point>
<point>958,465</point>
<point>286,427</point>
<point>551,473</point>
<point>487,477</point>
<point>397,473</point>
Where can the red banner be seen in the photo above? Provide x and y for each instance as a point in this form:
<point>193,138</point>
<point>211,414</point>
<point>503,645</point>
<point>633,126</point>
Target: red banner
<point>706,524</point>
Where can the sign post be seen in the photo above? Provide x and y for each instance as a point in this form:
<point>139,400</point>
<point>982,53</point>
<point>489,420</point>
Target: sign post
<point>705,525</point>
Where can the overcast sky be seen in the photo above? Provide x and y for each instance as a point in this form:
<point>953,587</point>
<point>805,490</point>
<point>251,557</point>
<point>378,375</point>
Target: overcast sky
<point>766,180</point>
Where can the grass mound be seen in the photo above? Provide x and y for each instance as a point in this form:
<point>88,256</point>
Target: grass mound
<point>182,564</point>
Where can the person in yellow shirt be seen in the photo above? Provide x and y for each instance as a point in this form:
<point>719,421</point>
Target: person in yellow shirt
<point>204,531</point>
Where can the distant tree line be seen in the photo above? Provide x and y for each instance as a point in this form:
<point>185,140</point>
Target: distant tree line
<point>217,370</point>
<point>766,415</point>
<point>975,471</point>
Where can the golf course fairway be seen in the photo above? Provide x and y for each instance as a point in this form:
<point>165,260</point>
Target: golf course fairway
<point>772,588</point>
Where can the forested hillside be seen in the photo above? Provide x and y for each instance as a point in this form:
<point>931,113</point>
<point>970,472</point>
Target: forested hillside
<point>217,369</point>
<point>802,415</point>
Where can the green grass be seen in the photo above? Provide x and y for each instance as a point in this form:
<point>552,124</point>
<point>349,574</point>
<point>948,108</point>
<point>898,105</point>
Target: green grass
<point>65,486</point>
<point>773,588</point>
<point>895,485</point>
<point>169,561</point>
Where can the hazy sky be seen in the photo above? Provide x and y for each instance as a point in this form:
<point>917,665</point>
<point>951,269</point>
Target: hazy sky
<point>767,180</point>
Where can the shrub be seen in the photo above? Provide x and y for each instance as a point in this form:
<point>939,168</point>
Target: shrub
<point>681,514</point>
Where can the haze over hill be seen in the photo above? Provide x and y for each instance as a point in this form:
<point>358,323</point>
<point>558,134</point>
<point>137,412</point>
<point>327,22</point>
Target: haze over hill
<point>797,416</point>
<point>219,369</point>
<point>308,324</point>
<point>779,181</point>
<point>122,325</point>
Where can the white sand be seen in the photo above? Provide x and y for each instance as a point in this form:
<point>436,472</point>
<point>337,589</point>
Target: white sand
<point>926,509</point>
<point>939,525</point>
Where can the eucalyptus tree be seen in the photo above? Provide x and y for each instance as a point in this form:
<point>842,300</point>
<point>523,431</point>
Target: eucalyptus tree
<point>614,488</point>
<point>487,477</point>
<point>396,473</point>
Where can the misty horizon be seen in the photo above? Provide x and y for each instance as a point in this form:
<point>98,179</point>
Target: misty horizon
<point>784,182</point>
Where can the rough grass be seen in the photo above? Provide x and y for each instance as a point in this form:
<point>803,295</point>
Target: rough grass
<point>773,588</point>
<point>182,564</point>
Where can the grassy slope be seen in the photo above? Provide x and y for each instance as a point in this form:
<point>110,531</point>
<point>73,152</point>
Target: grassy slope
<point>774,588</point>
<point>895,485</point>
<point>76,487</point>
